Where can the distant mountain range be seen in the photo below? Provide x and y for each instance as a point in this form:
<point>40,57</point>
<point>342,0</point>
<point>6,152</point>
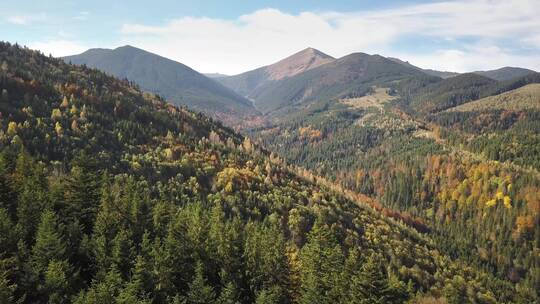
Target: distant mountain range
<point>304,78</point>
<point>310,75</point>
<point>505,73</point>
<point>173,80</point>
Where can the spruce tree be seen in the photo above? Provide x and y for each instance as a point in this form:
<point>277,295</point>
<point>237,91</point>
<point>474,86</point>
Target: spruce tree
<point>370,284</point>
<point>322,263</point>
<point>272,295</point>
<point>229,295</point>
<point>56,283</point>
<point>82,194</point>
<point>7,288</point>
<point>49,244</point>
<point>199,290</point>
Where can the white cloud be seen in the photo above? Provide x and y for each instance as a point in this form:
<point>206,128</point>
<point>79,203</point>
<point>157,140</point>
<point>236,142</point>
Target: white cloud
<point>19,20</point>
<point>472,59</point>
<point>59,48</point>
<point>26,19</point>
<point>267,35</point>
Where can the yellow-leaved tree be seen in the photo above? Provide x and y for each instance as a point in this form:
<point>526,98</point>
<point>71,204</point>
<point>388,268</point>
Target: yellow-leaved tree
<point>12,128</point>
<point>58,128</point>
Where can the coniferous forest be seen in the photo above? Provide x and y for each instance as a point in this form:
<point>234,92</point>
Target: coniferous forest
<point>109,194</point>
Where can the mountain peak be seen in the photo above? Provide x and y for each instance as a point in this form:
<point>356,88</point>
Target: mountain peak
<point>128,47</point>
<point>313,51</point>
<point>297,63</point>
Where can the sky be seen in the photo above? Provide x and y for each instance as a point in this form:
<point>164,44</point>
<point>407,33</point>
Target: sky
<point>231,37</point>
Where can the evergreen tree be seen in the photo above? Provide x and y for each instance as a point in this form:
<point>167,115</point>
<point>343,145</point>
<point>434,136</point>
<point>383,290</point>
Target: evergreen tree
<point>49,244</point>
<point>8,240</point>
<point>322,263</point>
<point>7,194</point>
<point>122,251</point>
<point>272,295</point>
<point>56,283</point>
<point>31,185</point>
<point>456,290</point>
<point>7,288</point>
<point>82,193</point>
<point>199,290</point>
<point>229,295</point>
<point>102,292</point>
<point>370,284</point>
<point>265,259</point>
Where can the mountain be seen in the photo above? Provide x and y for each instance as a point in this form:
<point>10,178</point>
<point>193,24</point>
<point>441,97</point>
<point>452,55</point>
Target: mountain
<point>505,73</point>
<point>379,127</point>
<point>113,195</point>
<point>461,89</point>
<point>349,76</point>
<point>450,92</point>
<point>246,83</point>
<point>170,79</point>
<point>501,74</point>
<point>521,99</point>
<point>441,74</point>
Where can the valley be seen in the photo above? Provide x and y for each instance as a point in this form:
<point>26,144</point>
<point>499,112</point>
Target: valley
<point>442,152</point>
<point>127,177</point>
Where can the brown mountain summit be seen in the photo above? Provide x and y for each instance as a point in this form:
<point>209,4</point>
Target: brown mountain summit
<point>246,83</point>
<point>297,63</point>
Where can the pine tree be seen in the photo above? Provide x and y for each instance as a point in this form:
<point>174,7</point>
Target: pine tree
<point>7,195</point>
<point>56,283</point>
<point>272,295</point>
<point>229,295</point>
<point>104,291</point>
<point>30,183</point>
<point>83,192</point>
<point>199,290</point>
<point>456,291</point>
<point>122,250</point>
<point>141,283</point>
<point>49,244</point>
<point>7,288</point>
<point>322,263</point>
<point>370,284</point>
<point>265,259</point>
<point>8,241</point>
<point>163,271</point>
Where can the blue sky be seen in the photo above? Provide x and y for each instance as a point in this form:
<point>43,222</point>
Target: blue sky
<point>234,36</point>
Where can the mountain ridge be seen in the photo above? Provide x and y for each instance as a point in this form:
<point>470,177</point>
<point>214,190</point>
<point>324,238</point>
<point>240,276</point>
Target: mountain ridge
<point>505,73</point>
<point>246,83</point>
<point>349,76</point>
<point>171,79</point>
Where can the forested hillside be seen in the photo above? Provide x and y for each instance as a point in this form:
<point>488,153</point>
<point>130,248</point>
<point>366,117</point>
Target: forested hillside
<point>470,174</point>
<point>505,73</point>
<point>110,195</point>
